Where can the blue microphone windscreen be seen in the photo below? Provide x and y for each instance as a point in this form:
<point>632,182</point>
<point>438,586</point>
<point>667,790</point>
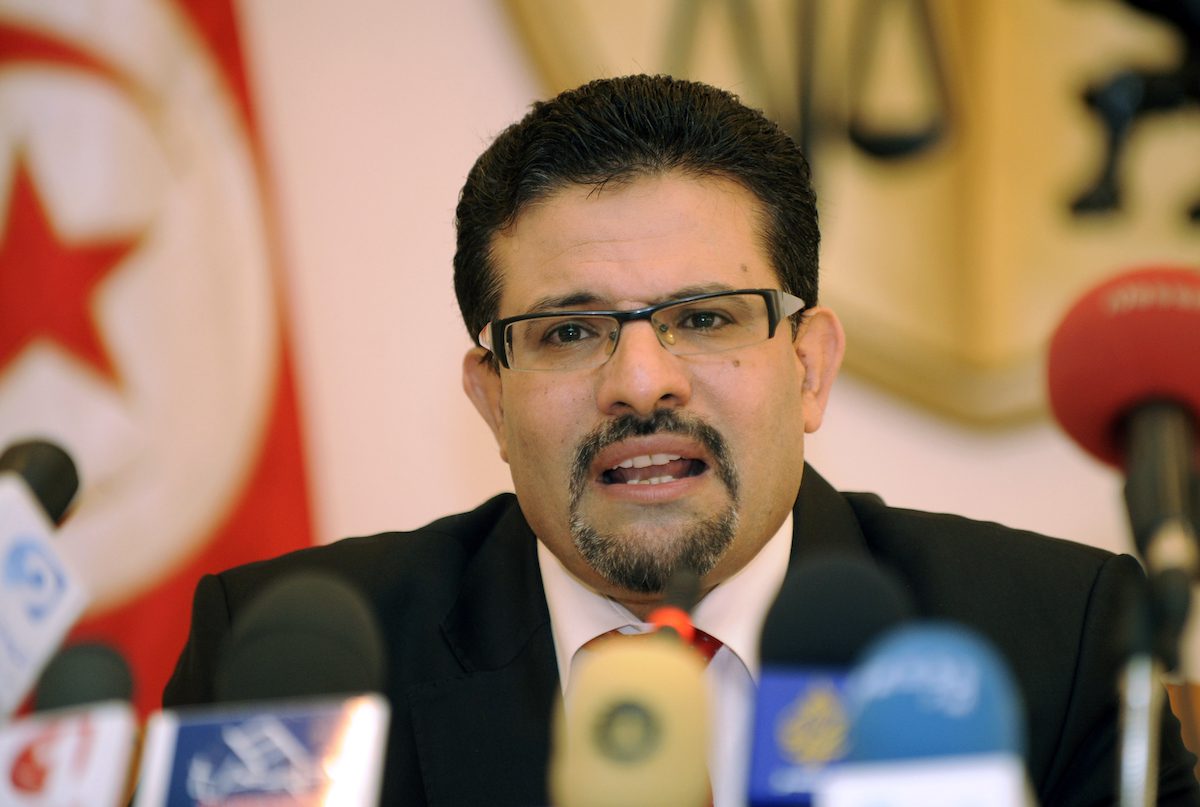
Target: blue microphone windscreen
<point>933,690</point>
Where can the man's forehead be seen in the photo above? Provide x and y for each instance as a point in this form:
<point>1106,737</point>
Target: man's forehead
<point>646,241</point>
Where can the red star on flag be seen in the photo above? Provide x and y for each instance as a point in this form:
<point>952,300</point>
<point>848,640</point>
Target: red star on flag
<point>47,285</point>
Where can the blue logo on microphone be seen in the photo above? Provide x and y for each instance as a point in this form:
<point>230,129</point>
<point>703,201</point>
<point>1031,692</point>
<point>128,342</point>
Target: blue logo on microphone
<point>34,577</point>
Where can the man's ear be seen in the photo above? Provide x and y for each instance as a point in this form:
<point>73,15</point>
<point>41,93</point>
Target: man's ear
<point>481,382</point>
<point>819,344</point>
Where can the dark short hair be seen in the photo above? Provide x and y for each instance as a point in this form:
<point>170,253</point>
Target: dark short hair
<point>620,128</point>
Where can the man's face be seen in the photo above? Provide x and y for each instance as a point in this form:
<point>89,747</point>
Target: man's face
<point>721,436</point>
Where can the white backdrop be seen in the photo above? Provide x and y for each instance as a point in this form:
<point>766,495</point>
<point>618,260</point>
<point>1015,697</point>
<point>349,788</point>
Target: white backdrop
<point>372,112</point>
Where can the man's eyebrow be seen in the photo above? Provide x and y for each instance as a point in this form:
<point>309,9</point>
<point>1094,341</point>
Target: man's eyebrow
<point>593,301</point>
<point>698,289</point>
<point>574,300</point>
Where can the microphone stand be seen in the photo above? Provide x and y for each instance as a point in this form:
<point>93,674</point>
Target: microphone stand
<point>1141,712</point>
<point>1160,482</point>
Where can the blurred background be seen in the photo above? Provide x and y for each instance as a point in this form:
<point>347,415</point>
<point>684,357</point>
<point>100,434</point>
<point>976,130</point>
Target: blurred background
<point>241,215</point>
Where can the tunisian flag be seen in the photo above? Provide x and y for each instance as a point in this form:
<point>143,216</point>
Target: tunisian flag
<point>141,324</point>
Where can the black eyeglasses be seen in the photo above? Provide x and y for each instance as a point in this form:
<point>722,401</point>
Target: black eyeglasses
<point>579,340</point>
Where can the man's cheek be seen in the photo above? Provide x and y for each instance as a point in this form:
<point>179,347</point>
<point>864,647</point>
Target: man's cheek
<point>532,445</point>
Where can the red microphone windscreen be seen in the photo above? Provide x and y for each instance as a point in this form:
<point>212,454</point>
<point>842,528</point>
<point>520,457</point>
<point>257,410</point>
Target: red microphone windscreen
<point>1133,339</point>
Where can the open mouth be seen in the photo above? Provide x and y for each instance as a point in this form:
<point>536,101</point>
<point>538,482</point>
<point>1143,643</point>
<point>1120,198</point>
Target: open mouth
<point>652,469</point>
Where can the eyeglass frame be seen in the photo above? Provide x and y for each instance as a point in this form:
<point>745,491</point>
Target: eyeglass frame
<point>775,300</point>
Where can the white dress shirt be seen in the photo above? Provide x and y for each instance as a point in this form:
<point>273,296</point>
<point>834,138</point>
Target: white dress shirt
<point>733,612</point>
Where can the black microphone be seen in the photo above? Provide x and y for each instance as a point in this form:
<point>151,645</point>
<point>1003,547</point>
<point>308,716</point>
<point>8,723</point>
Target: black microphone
<point>308,634</point>
<point>300,719</point>
<point>828,609</point>
<point>78,744</point>
<point>48,471</point>
<point>81,674</point>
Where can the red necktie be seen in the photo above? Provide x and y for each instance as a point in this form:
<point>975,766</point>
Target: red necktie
<point>707,646</point>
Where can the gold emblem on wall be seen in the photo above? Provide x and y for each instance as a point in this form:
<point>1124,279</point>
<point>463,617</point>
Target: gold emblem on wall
<point>952,142</point>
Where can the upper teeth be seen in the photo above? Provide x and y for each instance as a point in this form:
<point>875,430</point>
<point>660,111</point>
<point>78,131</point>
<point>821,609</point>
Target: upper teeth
<point>646,460</point>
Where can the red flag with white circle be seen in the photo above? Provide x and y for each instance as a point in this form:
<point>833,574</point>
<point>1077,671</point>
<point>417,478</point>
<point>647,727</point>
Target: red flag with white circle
<point>141,318</point>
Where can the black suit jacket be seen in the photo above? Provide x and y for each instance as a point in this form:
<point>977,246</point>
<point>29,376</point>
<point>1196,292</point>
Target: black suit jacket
<point>473,678</point>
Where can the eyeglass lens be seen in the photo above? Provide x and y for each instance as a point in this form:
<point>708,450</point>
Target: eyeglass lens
<point>701,326</point>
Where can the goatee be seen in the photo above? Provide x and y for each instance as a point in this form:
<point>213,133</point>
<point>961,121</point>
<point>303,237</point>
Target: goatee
<point>634,560</point>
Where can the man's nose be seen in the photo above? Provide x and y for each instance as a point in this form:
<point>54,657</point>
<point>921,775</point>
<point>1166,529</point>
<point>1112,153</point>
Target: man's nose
<point>641,376</point>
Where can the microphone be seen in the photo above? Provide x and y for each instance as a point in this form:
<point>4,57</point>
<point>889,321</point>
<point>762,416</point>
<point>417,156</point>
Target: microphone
<point>310,634</point>
<point>634,730</point>
<point>78,745</point>
<point>673,617</point>
<point>1124,383</point>
<point>827,610</point>
<point>41,596</point>
<point>935,718</point>
<point>297,718</point>
<point>48,471</point>
<point>83,674</point>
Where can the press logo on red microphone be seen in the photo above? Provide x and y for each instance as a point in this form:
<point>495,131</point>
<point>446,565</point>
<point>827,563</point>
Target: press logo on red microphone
<point>1159,295</point>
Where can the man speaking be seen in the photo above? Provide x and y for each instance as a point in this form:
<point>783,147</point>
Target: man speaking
<point>637,267</point>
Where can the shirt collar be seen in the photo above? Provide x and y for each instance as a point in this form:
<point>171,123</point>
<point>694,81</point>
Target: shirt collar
<point>732,612</point>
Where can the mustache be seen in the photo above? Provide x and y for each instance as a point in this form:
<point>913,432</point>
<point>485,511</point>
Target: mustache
<point>662,421</point>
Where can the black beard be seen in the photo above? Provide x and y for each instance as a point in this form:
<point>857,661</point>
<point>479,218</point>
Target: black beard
<point>630,563</point>
<point>634,566</point>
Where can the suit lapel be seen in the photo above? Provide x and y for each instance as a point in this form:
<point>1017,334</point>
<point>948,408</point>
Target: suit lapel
<point>823,522</point>
<point>483,737</point>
